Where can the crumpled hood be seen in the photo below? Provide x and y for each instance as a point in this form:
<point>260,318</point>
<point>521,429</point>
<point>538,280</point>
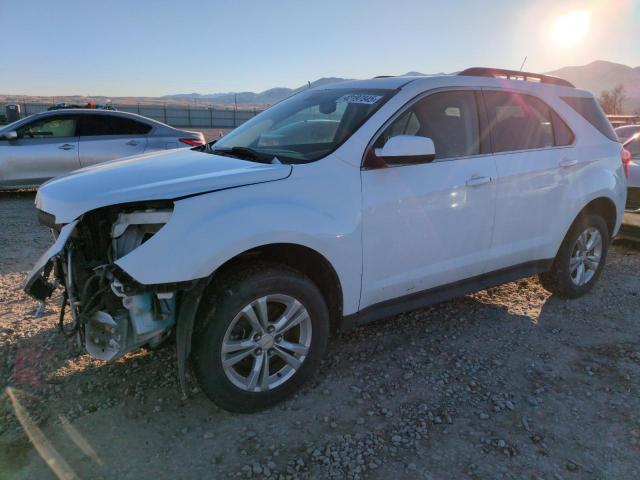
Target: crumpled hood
<point>161,175</point>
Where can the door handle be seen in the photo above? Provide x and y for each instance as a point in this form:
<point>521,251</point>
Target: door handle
<point>566,163</point>
<point>133,143</point>
<point>477,181</point>
<point>66,146</point>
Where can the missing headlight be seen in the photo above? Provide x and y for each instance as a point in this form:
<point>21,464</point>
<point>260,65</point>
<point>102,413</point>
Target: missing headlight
<point>132,229</point>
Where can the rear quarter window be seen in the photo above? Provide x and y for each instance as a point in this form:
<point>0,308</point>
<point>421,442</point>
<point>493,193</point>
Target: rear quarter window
<point>591,111</point>
<point>562,133</point>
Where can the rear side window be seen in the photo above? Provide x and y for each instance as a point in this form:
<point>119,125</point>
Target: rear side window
<point>591,111</point>
<point>518,122</point>
<point>98,125</point>
<point>450,119</point>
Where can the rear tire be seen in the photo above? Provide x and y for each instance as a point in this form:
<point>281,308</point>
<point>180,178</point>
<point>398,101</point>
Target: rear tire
<point>247,356</point>
<point>580,260</point>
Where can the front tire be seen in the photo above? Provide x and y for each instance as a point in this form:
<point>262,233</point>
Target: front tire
<point>262,332</point>
<point>580,260</point>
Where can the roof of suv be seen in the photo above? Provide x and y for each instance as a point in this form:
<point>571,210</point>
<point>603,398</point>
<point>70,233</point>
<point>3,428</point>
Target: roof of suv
<point>391,83</point>
<point>387,83</point>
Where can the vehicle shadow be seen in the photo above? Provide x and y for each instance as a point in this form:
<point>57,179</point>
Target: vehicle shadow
<point>480,336</point>
<point>49,358</point>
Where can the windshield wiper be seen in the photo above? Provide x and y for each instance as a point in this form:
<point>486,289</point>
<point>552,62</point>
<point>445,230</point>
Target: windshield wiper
<point>245,153</point>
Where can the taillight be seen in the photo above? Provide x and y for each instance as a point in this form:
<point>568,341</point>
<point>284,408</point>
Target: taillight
<point>625,156</point>
<point>192,142</point>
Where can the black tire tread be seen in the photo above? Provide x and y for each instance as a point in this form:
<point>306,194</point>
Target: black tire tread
<point>219,293</point>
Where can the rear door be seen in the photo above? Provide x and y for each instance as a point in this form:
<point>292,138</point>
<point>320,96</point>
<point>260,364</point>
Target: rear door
<point>45,148</point>
<point>536,166</point>
<point>106,137</point>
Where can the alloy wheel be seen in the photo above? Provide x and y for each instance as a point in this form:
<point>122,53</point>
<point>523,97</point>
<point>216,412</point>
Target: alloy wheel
<point>585,257</point>
<point>266,343</point>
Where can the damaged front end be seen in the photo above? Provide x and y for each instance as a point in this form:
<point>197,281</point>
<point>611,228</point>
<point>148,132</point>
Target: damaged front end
<point>111,313</point>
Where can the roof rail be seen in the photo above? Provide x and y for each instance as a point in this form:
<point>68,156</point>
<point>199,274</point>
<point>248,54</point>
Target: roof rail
<point>383,76</point>
<point>515,75</point>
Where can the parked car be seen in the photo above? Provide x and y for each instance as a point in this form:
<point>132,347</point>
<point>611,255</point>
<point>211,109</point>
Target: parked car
<point>429,188</point>
<point>49,144</point>
<point>630,136</point>
<point>625,132</point>
<point>66,106</point>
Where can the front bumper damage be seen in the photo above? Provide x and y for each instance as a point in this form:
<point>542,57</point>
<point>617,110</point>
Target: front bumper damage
<point>111,313</point>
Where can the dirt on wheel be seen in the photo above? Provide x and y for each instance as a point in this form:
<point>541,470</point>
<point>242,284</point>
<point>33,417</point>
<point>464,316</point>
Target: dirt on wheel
<point>510,382</point>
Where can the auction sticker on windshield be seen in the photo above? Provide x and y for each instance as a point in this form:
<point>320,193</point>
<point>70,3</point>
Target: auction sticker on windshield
<point>359,98</point>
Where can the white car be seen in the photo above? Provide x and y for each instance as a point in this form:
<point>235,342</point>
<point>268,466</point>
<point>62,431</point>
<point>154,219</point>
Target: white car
<point>256,251</point>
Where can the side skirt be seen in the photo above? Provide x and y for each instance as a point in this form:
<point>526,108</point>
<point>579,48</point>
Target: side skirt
<point>443,293</point>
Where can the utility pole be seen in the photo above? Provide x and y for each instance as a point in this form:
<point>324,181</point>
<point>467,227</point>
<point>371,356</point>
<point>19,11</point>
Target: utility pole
<point>235,111</point>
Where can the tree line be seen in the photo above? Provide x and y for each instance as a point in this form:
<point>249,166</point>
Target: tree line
<point>612,101</point>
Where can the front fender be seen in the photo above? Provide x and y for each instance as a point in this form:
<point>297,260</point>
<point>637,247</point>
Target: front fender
<point>206,231</point>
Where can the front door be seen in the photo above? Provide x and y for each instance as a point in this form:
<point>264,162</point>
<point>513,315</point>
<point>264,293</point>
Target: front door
<point>429,224</point>
<point>45,148</point>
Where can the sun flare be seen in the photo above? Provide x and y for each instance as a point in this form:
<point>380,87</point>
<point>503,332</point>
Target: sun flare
<point>569,29</point>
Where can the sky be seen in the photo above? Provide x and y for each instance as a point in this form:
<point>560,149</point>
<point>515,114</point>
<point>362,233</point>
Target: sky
<point>153,48</point>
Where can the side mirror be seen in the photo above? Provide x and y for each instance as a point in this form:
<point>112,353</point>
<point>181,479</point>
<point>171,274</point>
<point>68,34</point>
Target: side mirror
<point>407,149</point>
<point>10,135</point>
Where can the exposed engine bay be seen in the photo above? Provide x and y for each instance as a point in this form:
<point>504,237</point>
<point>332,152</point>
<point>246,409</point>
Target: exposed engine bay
<point>111,314</point>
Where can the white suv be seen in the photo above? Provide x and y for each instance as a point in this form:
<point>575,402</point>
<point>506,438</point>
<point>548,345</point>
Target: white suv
<point>338,206</point>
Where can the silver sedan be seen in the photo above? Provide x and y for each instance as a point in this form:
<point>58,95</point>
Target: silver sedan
<point>48,144</point>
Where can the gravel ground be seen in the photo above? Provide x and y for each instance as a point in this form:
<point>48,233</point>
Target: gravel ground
<point>506,383</point>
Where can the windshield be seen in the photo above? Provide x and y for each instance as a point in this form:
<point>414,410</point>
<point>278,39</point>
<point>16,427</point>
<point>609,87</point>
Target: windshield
<point>305,127</point>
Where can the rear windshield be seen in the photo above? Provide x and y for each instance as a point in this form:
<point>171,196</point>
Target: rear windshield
<point>592,113</point>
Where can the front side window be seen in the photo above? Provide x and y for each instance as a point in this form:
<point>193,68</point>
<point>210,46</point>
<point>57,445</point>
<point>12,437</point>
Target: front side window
<point>450,119</point>
<point>305,127</point>
<point>518,122</point>
<point>100,125</point>
<point>49,127</point>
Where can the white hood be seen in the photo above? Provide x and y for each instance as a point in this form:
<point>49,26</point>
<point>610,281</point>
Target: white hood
<point>154,176</point>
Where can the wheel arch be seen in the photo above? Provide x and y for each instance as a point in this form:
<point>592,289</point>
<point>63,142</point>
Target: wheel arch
<point>303,259</point>
<point>603,206</point>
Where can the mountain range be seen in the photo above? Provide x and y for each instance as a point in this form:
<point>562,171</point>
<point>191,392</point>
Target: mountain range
<point>596,77</point>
